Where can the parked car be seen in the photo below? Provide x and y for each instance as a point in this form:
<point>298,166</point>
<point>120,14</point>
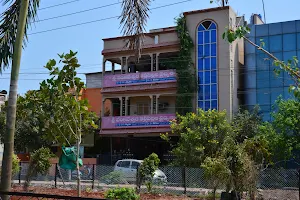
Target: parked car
<point>129,169</point>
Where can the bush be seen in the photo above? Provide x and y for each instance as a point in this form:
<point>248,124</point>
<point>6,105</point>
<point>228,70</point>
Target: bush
<point>115,177</point>
<point>39,164</point>
<point>122,194</point>
<point>146,172</point>
<point>15,165</point>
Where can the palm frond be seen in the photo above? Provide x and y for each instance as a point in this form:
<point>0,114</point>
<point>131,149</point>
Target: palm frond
<point>8,28</point>
<point>134,19</point>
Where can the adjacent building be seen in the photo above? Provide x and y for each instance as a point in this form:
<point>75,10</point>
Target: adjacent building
<point>262,86</point>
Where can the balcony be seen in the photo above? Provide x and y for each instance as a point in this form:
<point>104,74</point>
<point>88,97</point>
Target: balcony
<point>163,79</point>
<point>156,123</point>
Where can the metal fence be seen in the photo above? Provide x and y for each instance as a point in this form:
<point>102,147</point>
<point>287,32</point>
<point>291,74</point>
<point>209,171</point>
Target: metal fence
<point>272,183</point>
<point>33,196</point>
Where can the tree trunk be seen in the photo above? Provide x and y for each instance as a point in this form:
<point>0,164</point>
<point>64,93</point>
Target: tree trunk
<point>78,170</point>
<point>6,172</point>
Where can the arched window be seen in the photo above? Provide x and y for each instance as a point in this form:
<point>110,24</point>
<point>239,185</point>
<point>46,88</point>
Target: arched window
<point>207,65</point>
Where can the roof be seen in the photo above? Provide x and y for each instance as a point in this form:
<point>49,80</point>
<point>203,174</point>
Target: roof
<point>206,10</point>
<point>163,30</point>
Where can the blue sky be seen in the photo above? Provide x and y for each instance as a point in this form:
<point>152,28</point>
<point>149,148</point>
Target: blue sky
<point>87,39</point>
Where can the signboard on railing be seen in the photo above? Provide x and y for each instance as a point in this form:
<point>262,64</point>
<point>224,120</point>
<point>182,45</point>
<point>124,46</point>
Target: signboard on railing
<point>142,121</point>
<point>139,78</point>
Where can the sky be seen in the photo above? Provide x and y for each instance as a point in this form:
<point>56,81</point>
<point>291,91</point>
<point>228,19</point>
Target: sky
<point>86,38</point>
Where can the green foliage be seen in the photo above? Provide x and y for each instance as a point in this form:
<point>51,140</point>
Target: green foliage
<point>287,123</point>
<point>201,135</point>
<point>39,164</point>
<point>15,165</point>
<point>29,134</point>
<point>184,67</point>
<point>115,177</point>
<point>122,194</point>
<point>216,172</point>
<point>146,171</point>
<point>246,124</point>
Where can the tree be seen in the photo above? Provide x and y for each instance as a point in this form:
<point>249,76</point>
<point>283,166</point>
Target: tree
<point>64,112</point>
<point>201,135</point>
<point>29,135</point>
<point>287,123</point>
<point>13,30</point>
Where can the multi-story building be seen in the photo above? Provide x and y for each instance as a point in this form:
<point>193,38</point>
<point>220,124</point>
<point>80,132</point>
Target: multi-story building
<point>138,98</point>
<point>262,85</point>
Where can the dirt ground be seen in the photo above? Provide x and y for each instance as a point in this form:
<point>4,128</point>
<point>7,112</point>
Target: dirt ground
<point>94,194</point>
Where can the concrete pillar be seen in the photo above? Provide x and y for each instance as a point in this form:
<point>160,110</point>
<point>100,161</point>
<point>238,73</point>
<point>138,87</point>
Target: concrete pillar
<point>157,101</point>
<point>126,105</point>
<point>151,58</point>
<point>121,106</point>
<point>151,105</point>
<point>113,68</point>
<point>103,67</point>
<point>157,60</point>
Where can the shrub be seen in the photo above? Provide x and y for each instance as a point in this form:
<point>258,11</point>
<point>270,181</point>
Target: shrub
<point>115,177</point>
<point>39,164</point>
<point>122,194</point>
<point>146,172</point>
<point>15,165</point>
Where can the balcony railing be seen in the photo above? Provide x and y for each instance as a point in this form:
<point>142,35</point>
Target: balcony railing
<point>137,121</point>
<point>139,78</point>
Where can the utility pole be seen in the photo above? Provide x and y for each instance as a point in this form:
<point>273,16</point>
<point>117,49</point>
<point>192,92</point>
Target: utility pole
<point>6,173</point>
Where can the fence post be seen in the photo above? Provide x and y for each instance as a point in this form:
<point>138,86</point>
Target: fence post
<point>93,183</point>
<point>55,176</point>
<point>20,164</point>
<point>299,182</point>
<point>184,179</point>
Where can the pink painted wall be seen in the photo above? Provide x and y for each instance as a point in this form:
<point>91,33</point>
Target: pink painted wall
<point>137,121</point>
<point>162,76</point>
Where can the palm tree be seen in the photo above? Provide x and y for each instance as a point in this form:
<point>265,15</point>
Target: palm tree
<point>14,23</point>
<point>134,19</point>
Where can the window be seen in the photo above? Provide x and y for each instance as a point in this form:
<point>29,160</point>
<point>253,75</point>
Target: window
<point>156,39</point>
<point>125,164</point>
<point>143,109</point>
<point>134,165</point>
<point>207,66</point>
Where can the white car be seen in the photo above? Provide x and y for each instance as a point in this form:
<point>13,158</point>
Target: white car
<point>129,167</point>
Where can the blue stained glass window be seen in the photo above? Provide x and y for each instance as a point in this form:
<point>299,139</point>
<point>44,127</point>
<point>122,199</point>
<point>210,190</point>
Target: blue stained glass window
<point>212,26</point>
<point>213,49</point>
<point>200,104</point>
<point>213,36</point>
<point>207,92</point>
<point>207,105</point>
<point>200,94</point>
<point>206,50</point>
<point>200,75</point>
<point>207,77</point>
<point>201,28</point>
<point>213,63</point>
<point>200,51</point>
<point>214,91</point>
<point>200,37</point>
<point>206,37</point>
<point>200,64</point>
<point>214,104</point>
<point>207,64</point>
<point>214,76</point>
